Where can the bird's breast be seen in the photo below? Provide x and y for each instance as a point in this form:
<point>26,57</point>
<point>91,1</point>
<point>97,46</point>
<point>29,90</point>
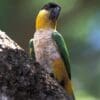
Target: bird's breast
<point>46,51</point>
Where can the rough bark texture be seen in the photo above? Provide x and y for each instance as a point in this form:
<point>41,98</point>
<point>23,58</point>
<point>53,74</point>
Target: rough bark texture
<point>21,79</point>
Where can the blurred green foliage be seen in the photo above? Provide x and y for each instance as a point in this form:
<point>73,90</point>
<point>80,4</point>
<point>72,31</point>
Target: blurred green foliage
<point>79,23</point>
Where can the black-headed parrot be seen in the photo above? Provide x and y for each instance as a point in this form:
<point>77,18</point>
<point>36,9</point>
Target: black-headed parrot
<point>49,49</point>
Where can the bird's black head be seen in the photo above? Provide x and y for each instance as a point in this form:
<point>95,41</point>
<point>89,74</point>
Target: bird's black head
<point>54,10</point>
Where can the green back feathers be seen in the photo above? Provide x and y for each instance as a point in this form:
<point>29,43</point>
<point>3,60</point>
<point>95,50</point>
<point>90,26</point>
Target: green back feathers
<point>63,50</point>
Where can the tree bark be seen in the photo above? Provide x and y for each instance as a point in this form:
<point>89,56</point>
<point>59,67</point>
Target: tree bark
<point>23,79</point>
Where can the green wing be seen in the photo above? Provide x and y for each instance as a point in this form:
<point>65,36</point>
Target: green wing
<point>63,50</point>
<point>31,49</point>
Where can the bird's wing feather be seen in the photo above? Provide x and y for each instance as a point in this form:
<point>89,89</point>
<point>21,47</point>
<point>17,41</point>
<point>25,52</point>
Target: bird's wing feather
<point>31,49</point>
<point>63,50</point>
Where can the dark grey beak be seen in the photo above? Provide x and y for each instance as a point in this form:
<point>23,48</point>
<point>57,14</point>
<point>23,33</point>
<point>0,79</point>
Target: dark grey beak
<point>54,14</point>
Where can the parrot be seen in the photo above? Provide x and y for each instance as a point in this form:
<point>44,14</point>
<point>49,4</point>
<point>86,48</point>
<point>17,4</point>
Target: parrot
<point>49,48</point>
